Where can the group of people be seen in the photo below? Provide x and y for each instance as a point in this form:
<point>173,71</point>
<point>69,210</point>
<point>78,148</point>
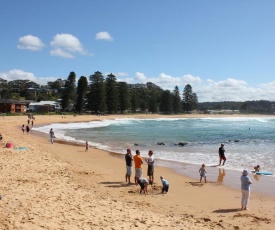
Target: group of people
<point>245,180</point>
<point>143,182</point>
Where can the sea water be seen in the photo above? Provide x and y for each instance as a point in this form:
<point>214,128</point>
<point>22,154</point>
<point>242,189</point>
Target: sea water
<point>248,141</point>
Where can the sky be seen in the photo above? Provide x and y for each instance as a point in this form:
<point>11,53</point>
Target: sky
<point>224,49</point>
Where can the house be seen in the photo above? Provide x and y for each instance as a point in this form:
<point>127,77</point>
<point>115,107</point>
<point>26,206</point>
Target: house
<point>44,106</point>
<point>12,106</point>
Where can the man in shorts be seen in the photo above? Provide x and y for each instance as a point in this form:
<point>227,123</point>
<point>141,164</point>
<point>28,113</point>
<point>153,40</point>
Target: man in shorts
<point>128,160</point>
<point>138,162</point>
<point>150,170</point>
<point>221,154</point>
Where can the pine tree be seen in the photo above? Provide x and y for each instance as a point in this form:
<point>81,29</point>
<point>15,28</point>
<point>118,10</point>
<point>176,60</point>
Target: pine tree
<point>82,86</point>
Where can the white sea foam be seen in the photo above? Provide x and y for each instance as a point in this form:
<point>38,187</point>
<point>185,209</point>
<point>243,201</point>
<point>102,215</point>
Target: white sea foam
<point>203,135</point>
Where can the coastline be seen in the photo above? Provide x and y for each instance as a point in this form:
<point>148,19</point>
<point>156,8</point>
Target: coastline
<point>95,180</point>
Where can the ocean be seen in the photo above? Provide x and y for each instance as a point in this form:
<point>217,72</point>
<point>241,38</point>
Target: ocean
<point>248,141</point>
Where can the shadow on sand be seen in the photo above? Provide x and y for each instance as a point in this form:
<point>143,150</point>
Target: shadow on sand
<point>227,210</point>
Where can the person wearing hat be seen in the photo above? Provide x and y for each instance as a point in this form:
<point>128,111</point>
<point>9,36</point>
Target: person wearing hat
<point>128,159</point>
<point>245,186</point>
<point>221,154</point>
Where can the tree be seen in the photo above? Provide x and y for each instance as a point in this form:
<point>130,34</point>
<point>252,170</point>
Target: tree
<point>134,100</point>
<point>190,99</point>
<point>111,93</point>
<point>153,101</point>
<point>81,90</point>
<point>96,96</point>
<point>124,96</point>
<point>166,103</point>
<point>176,101</point>
<point>68,95</point>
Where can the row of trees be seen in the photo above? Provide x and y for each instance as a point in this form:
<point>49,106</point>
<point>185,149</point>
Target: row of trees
<point>106,95</point>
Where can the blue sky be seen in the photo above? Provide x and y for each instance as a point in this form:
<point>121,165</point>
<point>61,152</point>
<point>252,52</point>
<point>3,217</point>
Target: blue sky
<point>224,49</point>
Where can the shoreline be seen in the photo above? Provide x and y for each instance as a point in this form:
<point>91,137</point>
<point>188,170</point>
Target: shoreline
<point>222,176</point>
<point>58,185</point>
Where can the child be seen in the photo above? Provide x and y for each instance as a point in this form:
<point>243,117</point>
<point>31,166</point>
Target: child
<point>202,172</point>
<point>143,183</point>
<point>87,146</point>
<point>257,168</point>
<point>165,185</point>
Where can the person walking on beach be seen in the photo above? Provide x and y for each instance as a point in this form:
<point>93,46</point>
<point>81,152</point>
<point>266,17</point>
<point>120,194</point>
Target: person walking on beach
<point>86,146</point>
<point>23,129</point>
<point>143,183</point>
<point>51,135</point>
<point>222,155</point>
<point>129,164</point>
<point>245,186</point>
<point>165,185</point>
<point>202,172</point>
<point>138,169</point>
<point>150,170</point>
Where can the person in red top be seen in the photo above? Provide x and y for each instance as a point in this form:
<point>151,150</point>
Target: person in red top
<point>138,162</point>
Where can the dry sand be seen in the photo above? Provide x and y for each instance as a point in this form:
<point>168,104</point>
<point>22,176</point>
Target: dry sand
<point>60,186</point>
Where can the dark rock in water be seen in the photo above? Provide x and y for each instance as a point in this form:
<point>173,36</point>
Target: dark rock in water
<point>135,144</point>
<point>160,143</point>
<point>236,140</point>
<point>182,143</point>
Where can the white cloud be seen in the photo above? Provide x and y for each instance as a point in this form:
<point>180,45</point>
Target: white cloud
<point>209,90</point>
<point>103,36</point>
<point>17,74</point>
<point>66,45</point>
<point>61,53</point>
<point>30,42</point>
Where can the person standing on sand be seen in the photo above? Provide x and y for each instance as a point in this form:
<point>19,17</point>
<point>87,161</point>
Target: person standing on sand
<point>51,135</point>
<point>23,129</point>
<point>138,162</point>
<point>87,146</point>
<point>202,172</point>
<point>129,164</point>
<point>221,154</point>
<point>245,186</point>
<point>150,170</point>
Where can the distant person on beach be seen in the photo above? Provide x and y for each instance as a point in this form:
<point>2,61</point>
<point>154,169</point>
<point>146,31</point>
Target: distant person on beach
<point>129,165</point>
<point>165,185</point>
<point>143,183</point>
<point>222,155</point>
<point>1,137</point>
<point>32,122</point>
<point>202,172</point>
<point>27,129</point>
<point>138,169</point>
<point>51,135</point>
<point>86,146</point>
<point>23,129</point>
<point>150,170</point>
<point>245,186</point>
<point>257,168</point>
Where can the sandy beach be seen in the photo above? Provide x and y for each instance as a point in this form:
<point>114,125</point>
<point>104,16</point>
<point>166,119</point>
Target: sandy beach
<point>60,186</point>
